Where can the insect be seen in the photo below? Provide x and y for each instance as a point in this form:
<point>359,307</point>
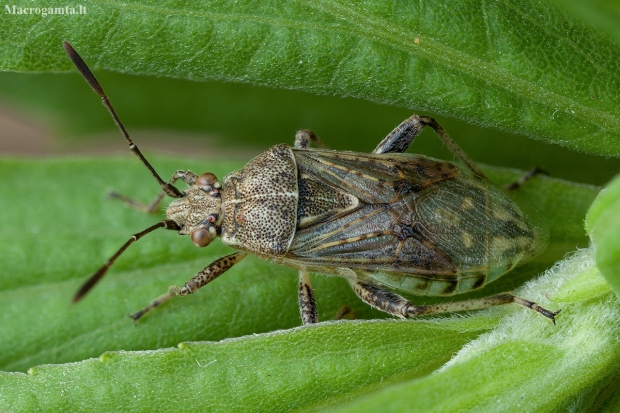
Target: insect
<point>385,220</point>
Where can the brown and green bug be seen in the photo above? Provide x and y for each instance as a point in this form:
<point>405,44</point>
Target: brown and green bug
<point>381,220</point>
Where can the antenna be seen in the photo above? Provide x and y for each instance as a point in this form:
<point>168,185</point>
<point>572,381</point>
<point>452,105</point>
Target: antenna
<point>79,63</point>
<point>90,283</point>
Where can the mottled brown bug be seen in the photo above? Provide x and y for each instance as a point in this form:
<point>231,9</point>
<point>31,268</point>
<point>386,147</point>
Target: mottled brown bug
<point>385,219</point>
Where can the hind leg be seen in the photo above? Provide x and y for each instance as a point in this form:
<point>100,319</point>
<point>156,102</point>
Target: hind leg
<point>398,306</point>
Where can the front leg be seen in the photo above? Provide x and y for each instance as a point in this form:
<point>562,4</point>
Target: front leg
<point>204,277</point>
<point>186,176</point>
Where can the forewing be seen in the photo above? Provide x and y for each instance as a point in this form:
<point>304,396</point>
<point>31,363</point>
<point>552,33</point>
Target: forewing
<point>372,178</point>
<point>368,235</point>
<point>420,223</point>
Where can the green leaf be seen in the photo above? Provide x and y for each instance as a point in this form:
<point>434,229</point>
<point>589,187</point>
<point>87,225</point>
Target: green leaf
<point>603,225</point>
<point>522,67</point>
<point>271,372</point>
<point>65,238</point>
<point>524,364</point>
<point>519,367</point>
<point>68,228</point>
<point>610,398</point>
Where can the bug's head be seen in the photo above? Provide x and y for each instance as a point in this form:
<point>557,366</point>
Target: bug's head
<point>199,211</point>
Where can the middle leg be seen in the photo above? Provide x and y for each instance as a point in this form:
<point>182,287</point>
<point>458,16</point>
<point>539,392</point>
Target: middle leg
<point>307,305</point>
<point>304,137</point>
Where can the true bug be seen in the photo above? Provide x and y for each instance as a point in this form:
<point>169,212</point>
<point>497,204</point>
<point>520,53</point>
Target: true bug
<point>385,219</point>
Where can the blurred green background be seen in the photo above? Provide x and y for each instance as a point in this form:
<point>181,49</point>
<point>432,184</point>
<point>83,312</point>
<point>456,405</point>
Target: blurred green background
<point>56,114</point>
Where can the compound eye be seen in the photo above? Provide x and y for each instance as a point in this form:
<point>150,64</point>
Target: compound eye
<point>200,237</point>
<point>206,179</point>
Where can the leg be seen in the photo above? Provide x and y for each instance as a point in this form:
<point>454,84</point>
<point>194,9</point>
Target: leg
<point>204,277</point>
<point>517,184</point>
<point>396,305</point>
<point>307,305</point>
<point>304,137</point>
<point>344,312</point>
<point>187,176</point>
<point>403,135</point>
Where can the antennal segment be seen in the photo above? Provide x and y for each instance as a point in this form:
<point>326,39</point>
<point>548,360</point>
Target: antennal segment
<point>79,63</point>
<point>90,283</point>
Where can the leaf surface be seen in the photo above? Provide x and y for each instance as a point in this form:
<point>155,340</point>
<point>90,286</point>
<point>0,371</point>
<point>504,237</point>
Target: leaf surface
<point>67,229</point>
<point>603,225</point>
<point>524,68</point>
